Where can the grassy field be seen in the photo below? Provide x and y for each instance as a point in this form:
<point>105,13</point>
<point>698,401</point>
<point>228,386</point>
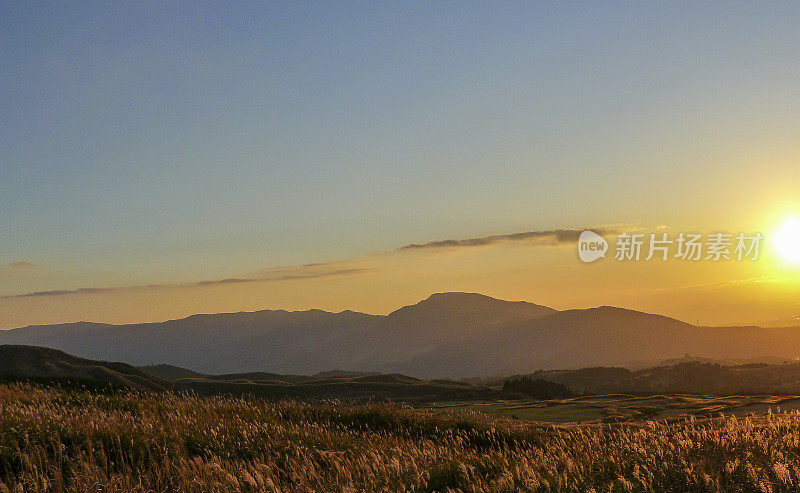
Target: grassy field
<point>621,407</point>
<point>66,440</point>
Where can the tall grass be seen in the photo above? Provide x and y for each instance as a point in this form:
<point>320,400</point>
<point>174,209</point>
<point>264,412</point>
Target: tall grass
<point>68,440</point>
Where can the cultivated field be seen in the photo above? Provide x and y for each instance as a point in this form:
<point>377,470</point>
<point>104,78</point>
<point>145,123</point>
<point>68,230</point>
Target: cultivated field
<point>56,440</point>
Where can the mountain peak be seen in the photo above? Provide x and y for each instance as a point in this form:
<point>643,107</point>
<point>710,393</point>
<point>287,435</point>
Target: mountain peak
<point>462,298</point>
<point>456,296</point>
<point>457,305</point>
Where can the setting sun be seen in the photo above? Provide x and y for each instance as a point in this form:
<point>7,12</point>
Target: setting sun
<point>787,240</point>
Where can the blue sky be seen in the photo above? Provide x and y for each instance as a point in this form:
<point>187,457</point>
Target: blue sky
<point>171,142</point>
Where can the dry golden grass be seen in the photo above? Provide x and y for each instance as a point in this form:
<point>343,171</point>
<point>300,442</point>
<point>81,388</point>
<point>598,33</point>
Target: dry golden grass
<point>66,440</point>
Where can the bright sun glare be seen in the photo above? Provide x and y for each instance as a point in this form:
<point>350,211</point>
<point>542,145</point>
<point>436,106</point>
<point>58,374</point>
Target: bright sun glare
<point>787,240</point>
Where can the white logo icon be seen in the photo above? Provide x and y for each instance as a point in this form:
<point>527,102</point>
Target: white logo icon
<point>591,246</point>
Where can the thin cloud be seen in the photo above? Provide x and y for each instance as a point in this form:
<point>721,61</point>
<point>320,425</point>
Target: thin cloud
<point>285,277</point>
<point>57,292</point>
<point>225,281</point>
<point>340,272</point>
<point>345,267</point>
<point>546,237</point>
<point>298,274</point>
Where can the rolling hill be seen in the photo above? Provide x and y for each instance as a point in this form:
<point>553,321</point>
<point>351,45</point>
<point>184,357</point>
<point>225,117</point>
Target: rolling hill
<point>49,366</point>
<point>45,365</point>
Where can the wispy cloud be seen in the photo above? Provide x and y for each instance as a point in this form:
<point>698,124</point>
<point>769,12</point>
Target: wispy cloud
<point>345,267</point>
<point>545,237</point>
<point>57,292</point>
<point>300,274</point>
<point>288,273</point>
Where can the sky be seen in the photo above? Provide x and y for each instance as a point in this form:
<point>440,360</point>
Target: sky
<point>150,150</point>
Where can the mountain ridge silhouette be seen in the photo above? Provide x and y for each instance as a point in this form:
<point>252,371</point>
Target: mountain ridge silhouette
<point>445,335</point>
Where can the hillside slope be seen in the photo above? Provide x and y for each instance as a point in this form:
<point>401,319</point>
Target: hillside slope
<point>45,365</point>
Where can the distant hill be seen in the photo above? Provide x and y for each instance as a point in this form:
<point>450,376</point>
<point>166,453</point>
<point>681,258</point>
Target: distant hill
<point>686,377</point>
<point>384,386</point>
<point>342,374</point>
<point>284,342</point>
<point>449,335</point>
<point>604,336</point>
<point>45,365</point>
<point>696,359</point>
<point>170,372</point>
<point>50,366</point>
<point>327,385</point>
<point>270,340</point>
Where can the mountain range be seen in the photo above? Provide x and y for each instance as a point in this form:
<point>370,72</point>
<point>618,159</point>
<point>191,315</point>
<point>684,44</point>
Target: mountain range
<point>446,335</point>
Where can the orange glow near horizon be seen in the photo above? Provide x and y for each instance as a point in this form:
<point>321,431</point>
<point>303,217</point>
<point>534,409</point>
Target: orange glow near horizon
<point>713,293</point>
